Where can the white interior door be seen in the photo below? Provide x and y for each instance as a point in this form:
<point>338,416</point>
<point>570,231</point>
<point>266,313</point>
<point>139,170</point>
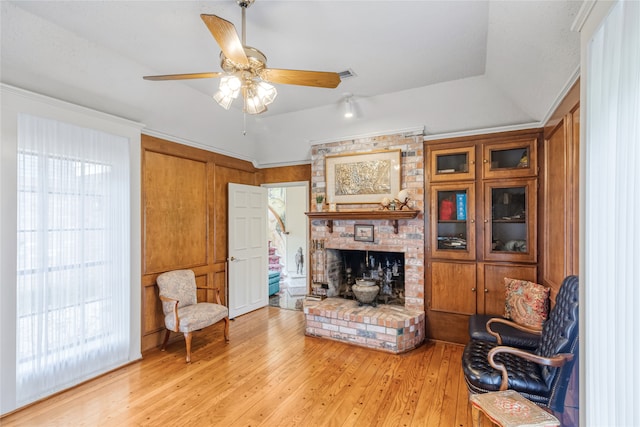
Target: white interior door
<point>248,251</point>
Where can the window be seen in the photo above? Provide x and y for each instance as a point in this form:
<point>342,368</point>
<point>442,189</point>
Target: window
<point>73,255</point>
<point>611,228</point>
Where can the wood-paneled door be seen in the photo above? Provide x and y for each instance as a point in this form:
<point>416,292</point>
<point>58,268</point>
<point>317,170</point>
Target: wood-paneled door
<point>248,250</point>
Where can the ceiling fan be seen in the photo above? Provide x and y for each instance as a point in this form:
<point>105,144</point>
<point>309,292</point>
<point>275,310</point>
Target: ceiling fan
<point>245,69</point>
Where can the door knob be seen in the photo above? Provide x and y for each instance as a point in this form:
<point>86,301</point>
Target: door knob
<point>232,258</point>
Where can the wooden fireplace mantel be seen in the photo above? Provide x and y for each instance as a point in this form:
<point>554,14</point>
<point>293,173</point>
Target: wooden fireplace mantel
<point>394,216</point>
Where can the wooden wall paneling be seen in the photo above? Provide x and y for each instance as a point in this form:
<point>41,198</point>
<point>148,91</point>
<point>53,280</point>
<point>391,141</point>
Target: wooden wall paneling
<point>153,317</point>
<point>556,238</point>
<point>574,156</point>
<point>175,212</point>
<point>559,244</point>
<point>560,189</point>
<point>296,173</point>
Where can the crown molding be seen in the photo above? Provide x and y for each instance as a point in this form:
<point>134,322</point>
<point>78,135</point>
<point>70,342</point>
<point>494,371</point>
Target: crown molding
<point>406,132</point>
<point>191,143</point>
<point>69,106</point>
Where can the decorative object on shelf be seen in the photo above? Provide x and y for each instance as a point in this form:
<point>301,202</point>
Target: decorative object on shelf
<point>461,206</point>
<point>446,210</point>
<point>363,177</point>
<point>524,160</point>
<point>384,204</point>
<point>366,291</point>
<point>363,233</point>
<point>402,200</point>
<point>319,200</point>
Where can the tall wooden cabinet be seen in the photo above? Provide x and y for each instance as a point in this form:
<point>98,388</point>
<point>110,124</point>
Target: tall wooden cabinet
<point>482,225</point>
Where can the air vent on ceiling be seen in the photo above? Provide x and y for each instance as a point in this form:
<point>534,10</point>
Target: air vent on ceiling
<point>346,74</point>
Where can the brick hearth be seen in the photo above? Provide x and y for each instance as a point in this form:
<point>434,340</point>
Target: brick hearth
<point>389,328</point>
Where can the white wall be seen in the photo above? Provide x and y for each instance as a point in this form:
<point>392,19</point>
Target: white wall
<point>15,101</point>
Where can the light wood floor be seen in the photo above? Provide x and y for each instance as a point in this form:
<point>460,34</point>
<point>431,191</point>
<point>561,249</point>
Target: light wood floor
<point>270,374</point>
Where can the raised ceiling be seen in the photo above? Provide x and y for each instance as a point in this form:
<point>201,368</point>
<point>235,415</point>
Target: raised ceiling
<point>446,66</point>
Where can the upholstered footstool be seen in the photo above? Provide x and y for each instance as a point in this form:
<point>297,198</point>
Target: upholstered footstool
<point>509,409</point>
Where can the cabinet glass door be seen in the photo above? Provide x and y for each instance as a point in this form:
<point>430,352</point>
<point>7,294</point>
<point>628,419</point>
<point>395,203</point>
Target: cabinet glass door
<point>453,221</point>
<point>510,160</point>
<point>510,217</point>
<point>451,164</point>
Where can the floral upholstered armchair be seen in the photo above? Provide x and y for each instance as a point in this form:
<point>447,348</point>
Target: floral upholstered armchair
<point>182,312</point>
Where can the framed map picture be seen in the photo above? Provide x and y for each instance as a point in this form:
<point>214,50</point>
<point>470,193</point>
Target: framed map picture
<point>363,177</point>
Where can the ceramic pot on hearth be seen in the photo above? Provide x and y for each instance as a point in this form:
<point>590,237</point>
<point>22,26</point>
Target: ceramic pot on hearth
<point>366,291</point>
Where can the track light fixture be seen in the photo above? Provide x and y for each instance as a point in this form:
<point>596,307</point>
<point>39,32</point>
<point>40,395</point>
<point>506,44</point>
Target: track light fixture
<point>348,106</point>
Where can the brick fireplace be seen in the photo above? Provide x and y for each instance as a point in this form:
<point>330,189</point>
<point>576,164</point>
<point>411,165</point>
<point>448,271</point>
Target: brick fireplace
<point>390,327</point>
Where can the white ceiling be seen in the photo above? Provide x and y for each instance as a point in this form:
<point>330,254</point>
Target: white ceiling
<point>446,66</point>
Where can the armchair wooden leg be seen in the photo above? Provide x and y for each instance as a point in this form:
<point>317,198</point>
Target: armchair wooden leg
<point>226,329</point>
<point>166,340</point>
<point>187,340</point>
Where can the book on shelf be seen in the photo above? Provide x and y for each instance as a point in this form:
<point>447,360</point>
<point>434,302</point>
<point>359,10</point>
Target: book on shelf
<point>461,206</point>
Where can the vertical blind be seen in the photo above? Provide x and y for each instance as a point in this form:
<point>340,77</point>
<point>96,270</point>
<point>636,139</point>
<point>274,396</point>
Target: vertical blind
<point>72,257</point>
<point>612,219</point>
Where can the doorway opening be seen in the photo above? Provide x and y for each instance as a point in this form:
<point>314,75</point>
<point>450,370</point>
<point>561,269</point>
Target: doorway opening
<point>288,234</point>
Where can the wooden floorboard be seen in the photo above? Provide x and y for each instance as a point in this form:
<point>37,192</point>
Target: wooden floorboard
<point>269,374</point>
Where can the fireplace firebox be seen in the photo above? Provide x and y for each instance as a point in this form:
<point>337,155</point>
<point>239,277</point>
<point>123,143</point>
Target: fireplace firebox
<point>347,268</point>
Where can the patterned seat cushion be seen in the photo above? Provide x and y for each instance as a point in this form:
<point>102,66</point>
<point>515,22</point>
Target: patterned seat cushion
<point>197,316</point>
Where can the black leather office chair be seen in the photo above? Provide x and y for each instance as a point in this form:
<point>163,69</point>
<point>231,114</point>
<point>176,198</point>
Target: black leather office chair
<point>542,375</point>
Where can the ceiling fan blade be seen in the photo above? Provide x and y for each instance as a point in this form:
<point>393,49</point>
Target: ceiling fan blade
<point>225,34</point>
<point>183,76</point>
<point>301,77</point>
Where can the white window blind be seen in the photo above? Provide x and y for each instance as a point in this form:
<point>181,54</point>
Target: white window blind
<point>73,288</point>
<point>612,227</point>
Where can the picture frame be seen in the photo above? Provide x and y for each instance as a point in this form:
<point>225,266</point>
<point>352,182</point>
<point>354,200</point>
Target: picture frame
<point>363,178</point>
<point>363,233</point>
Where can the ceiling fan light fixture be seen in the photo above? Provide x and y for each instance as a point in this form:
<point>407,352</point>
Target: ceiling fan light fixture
<point>253,103</point>
<point>266,92</point>
<point>230,86</point>
<point>228,90</point>
<point>223,100</point>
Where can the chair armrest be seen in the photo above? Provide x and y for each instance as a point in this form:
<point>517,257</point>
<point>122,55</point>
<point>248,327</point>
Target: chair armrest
<point>175,310</point>
<point>556,361</point>
<point>217,290</point>
<point>508,323</point>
